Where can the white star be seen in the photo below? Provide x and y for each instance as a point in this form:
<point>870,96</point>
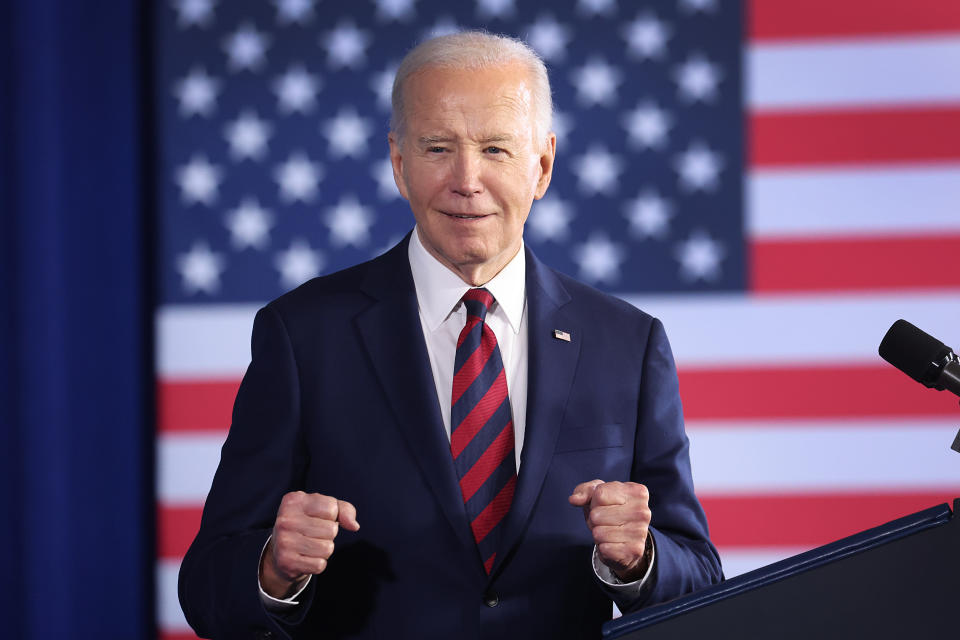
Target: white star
<point>197,93</point>
<point>246,48</point>
<point>649,215</point>
<point>699,168</point>
<point>699,257</point>
<point>395,9</point>
<point>445,26</point>
<point>697,79</point>
<point>562,124</point>
<point>550,219</point>
<point>596,82</point>
<point>599,259</point>
<point>349,223</point>
<point>298,264</point>
<point>247,136</point>
<point>549,38</point>
<point>597,171</point>
<point>199,181</point>
<point>249,225</point>
<point>296,90</point>
<point>347,134</point>
<point>346,46</point>
<point>200,269</point>
<point>495,8</point>
<point>294,11</point>
<point>597,7</point>
<point>647,125</point>
<point>381,83</point>
<point>298,178</point>
<point>193,12</point>
<point>646,37</point>
<point>382,172</point>
<point>697,6</point>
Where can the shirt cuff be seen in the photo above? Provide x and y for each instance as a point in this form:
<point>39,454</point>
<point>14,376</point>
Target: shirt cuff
<point>612,582</point>
<point>277,605</point>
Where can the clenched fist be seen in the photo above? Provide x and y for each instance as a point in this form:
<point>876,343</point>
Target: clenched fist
<point>618,515</point>
<point>302,539</point>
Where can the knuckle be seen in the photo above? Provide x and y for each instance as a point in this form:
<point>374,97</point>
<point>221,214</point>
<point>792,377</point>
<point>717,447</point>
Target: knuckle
<point>326,548</point>
<point>319,564</point>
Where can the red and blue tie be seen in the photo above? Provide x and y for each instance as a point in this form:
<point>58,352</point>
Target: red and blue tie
<point>481,437</point>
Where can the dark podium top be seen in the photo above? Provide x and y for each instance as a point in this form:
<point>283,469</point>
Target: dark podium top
<point>899,580</point>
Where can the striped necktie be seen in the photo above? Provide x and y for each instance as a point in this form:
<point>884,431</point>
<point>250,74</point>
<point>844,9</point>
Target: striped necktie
<point>481,437</point>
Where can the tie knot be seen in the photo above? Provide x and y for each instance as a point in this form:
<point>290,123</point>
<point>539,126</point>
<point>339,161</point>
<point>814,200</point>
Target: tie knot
<point>477,302</point>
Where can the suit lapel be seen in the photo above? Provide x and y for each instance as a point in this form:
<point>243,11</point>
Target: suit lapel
<point>551,367</point>
<point>393,337</point>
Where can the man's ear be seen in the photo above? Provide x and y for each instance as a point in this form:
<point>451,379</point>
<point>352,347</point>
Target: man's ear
<point>546,165</point>
<point>396,161</point>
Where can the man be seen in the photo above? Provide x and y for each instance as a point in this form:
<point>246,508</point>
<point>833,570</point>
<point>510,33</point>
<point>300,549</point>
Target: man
<point>466,404</point>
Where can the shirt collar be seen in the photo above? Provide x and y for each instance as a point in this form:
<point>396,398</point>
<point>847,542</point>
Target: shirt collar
<point>439,289</point>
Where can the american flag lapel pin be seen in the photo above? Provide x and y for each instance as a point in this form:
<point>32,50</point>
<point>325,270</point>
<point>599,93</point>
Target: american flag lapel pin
<point>561,335</point>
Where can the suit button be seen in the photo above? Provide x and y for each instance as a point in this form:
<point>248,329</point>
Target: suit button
<point>263,634</point>
<point>491,599</point>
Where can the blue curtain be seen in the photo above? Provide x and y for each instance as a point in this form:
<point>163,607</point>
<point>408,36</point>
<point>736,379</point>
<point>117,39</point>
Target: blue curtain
<point>75,454</point>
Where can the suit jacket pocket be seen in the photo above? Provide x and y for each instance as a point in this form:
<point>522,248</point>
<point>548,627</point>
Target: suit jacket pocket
<point>599,437</point>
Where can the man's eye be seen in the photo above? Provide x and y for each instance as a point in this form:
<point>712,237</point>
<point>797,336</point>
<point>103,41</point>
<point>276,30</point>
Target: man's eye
<point>494,150</point>
<point>435,149</point>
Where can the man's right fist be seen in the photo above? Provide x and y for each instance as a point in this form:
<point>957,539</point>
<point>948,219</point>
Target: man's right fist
<point>302,540</point>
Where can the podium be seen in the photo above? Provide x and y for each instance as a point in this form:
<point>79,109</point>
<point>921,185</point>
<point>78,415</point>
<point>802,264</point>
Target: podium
<point>899,580</point>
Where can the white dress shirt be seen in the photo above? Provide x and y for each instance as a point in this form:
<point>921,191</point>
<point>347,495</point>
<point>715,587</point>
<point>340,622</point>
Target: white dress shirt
<point>442,317</point>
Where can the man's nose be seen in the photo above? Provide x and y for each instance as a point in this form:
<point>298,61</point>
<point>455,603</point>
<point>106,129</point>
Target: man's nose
<point>465,179</point>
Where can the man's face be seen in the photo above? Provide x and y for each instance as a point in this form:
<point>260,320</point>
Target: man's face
<point>469,165</point>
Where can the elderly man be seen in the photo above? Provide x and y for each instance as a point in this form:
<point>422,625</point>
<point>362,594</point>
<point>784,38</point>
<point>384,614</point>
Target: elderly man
<point>466,404</point>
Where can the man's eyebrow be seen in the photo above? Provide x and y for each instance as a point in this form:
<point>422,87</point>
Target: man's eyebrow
<point>500,137</point>
<point>431,140</point>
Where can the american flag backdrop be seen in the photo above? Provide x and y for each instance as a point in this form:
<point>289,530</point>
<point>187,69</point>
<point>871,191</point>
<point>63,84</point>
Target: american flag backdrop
<point>777,181</point>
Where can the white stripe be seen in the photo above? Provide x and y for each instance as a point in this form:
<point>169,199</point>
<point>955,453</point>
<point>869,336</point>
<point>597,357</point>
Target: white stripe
<point>853,72</point>
<point>169,614</point>
<point>746,456</point>
<point>861,201</point>
<point>739,560</point>
<point>186,464</point>
<point>728,457</point>
<point>204,341</point>
<point>707,329</point>
<point>734,329</point>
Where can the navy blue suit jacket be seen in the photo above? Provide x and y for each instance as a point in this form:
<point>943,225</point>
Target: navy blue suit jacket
<point>339,399</point>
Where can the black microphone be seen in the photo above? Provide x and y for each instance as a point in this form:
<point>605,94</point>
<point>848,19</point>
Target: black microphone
<point>921,356</point>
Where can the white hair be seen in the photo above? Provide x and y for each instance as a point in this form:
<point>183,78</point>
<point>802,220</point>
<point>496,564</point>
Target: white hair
<point>475,50</point>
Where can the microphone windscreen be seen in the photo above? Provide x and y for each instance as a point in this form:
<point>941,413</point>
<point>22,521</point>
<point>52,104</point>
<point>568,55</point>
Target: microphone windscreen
<point>913,351</point>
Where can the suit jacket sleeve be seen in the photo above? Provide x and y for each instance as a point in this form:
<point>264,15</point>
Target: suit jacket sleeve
<point>260,462</point>
<point>685,558</point>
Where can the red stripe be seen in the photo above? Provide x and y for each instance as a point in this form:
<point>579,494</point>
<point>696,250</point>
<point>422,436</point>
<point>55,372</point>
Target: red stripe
<point>494,512</point>
<point>808,520</point>
<point>472,321</point>
<point>499,449</point>
<point>195,405</point>
<point>775,20</point>
<point>808,392</point>
<point>177,635</point>
<point>852,136</point>
<point>837,264</point>
<point>474,421</point>
<point>488,565</point>
<point>176,528</point>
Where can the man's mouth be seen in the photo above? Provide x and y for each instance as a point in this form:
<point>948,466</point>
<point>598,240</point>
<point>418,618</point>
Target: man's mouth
<point>464,216</point>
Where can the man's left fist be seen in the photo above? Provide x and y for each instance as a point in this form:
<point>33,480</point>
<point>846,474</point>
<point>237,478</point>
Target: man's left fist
<point>618,515</point>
